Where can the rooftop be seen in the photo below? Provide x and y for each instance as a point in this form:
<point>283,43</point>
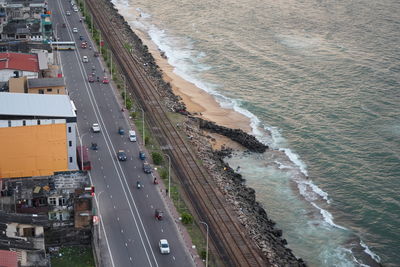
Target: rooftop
<point>40,105</point>
<point>19,61</point>
<point>45,82</point>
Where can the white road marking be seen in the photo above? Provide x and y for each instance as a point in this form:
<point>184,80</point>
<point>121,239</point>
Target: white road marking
<point>114,207</point>
<point>110,196</point>
<point>173,257</point>
<point>117,218</point>
<point>162,231</point>
<point>151,206</point>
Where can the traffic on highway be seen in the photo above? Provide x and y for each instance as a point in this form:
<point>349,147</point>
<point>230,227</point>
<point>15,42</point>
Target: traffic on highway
<point>136,227</point>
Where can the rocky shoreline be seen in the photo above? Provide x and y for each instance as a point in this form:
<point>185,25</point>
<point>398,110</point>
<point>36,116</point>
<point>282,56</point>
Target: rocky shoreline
<point>243,199</point>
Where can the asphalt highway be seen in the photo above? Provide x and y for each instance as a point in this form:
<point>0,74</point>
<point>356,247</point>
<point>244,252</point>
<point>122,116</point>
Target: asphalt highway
<point>129,231</point>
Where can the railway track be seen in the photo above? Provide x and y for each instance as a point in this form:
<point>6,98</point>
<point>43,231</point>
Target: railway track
<point>225,232</point>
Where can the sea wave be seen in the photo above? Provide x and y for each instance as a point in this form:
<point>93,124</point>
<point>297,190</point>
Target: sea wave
<point>369,252</point>
<point>328,217</point>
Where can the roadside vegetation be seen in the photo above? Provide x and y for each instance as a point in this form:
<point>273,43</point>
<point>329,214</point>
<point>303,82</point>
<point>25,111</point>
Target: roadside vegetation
<point>73,256</point>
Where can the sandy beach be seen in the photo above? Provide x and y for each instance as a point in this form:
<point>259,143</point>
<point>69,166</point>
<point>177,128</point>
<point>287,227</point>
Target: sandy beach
<point>197,101</point>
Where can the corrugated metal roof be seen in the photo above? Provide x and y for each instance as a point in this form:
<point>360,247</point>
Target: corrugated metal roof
<point>36,105</point>
<point>45,82</point>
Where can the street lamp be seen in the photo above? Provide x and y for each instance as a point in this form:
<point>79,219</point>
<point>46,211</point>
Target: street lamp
<point>144,142</point>
<point>80,141</point>
<point>206,242</point>
<point>169,175</point>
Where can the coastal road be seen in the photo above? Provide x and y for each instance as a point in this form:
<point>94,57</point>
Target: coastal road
<point>128,227</point>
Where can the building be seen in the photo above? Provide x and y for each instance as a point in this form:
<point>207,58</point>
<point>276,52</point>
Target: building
<point>25,20</point>
<point>22,239</point>
<point>37,135</point>
<point>18,65</point>
<point>37,86</point>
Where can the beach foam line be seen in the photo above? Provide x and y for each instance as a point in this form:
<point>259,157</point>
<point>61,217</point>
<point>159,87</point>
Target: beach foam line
<point>328,217</point>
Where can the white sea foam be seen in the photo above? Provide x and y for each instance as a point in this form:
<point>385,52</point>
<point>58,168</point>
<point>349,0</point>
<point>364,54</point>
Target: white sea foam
<point>328,217</point>
<point>369,252</point>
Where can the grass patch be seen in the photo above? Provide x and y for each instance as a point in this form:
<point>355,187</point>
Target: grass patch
<point>73,256</point>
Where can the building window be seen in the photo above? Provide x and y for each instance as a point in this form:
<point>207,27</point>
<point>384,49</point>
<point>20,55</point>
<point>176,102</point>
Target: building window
<point>63,201</point>
<point>38,122</point>
<point>52,216</point>
<point>70,159</point>
<point>41,91</point>
<point>58,91</point>
<point>70,143</point>
<point>49,90</point>
<point>69,129</point>
<point>24,123</point>
<point>9,123</point>
<point>52,201</point>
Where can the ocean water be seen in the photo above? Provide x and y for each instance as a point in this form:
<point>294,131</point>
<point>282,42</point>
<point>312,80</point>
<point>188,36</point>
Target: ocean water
<point>320,82</point>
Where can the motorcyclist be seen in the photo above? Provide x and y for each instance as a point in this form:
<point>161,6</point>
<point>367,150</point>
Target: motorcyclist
<point>98,79</point>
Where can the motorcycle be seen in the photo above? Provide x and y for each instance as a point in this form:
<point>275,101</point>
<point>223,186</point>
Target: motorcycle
<point>155,181</point>
<point>138,185</point>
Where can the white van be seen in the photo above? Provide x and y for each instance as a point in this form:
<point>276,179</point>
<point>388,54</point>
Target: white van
<point>132,136</point>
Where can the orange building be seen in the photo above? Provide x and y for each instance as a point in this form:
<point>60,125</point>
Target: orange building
<point>37,135</point>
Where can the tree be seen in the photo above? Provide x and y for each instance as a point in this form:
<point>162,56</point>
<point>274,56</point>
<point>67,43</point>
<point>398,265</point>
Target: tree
<point>187,218</point>
<point>157,158</point>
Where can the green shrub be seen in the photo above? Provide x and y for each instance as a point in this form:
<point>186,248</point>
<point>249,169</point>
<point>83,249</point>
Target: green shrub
<point>157,158</point>
<point>134,115</point>
<point>164,174</point>
<point>187,218</point>
<point>203,254</point>
<point>147,140</point>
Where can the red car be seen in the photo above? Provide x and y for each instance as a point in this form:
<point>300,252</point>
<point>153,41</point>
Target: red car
<point>106,80</point>
<point>91,79</point>
<point>83,44</point>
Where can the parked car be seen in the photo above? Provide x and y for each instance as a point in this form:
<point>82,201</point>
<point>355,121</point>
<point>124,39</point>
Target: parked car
<point>121,155</point>
<point>91,79</point>
<point>96,128</point>
<point>106,80</point>
<point>75,30</point>
<point>164,246</point>
<point>85,59</point>
<point>142,155</point>
<point>147,168</point>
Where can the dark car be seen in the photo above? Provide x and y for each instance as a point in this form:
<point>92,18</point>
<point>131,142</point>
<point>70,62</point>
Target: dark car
<point>91,79</point>
<point>147,168</point>
<point>159,214</point>
<point>121,155</point>
<point>121,131</point>
<point>142,155</point>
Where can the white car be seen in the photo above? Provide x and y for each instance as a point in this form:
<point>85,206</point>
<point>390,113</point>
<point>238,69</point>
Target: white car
<point>96,128</point>
<point>68,13</point>
<point>75,9</point>
<point>164,246</point>
<point>75,30</point>
<point>85,59</point>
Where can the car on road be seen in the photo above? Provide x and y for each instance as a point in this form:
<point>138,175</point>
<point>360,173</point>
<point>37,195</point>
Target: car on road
<point>106,80</point>
<point>121,130</point>
<point>164,246</point>
<point>75,8</point>
<point>84,44</point>
<point>121,155</point>
<point>96,128</point>
<point>85,59</point>
<point>75,30</point>
<point>68,13</point>
<point>132,136</point>
<point>142,155</point>
<point>147,168</point>
<point>91,78</point>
